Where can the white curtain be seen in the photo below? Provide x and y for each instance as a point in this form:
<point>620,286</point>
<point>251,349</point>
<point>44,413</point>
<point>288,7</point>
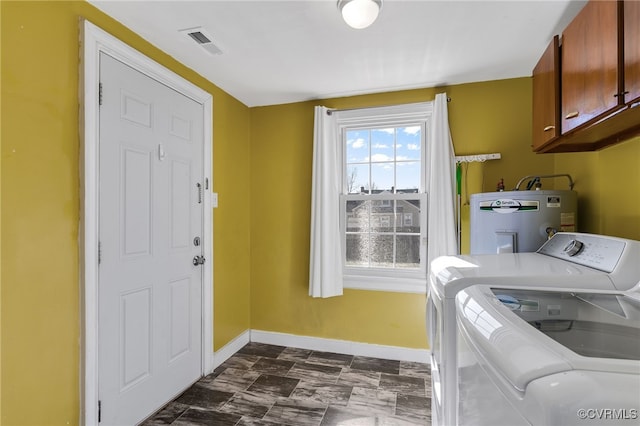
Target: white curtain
<point>325,271</point>
<point>441,184</point>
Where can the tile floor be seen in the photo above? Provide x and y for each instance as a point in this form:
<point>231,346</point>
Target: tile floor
<point>274,385</point>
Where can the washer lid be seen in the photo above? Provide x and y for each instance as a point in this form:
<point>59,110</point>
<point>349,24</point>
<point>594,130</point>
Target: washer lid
<point>518,353</point>
<point>514,351</point>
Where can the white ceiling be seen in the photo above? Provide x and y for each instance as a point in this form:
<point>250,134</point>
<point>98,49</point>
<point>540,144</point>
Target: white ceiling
<point>277,52</point>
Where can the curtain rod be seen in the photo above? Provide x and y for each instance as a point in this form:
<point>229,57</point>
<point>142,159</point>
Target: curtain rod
<point>332,110</point>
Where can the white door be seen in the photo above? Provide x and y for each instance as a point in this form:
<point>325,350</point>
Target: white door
<point>150,221</point>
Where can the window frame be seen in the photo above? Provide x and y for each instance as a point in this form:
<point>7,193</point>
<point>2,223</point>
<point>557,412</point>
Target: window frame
<point>385,279</point>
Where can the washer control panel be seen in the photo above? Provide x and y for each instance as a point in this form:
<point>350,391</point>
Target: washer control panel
<point>595,251</point>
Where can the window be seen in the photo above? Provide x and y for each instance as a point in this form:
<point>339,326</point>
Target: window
<point>383,197</point>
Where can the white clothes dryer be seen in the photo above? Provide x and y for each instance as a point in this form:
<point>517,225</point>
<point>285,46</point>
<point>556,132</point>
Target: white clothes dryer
<point>566,262</point>
<point>546,357</point>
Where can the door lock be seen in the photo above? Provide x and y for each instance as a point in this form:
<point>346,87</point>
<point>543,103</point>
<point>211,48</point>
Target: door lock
<point>198,260</point>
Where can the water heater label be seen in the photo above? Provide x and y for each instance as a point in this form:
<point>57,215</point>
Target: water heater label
<point>553,201</point>
<point>568,222</point>
<point>507,205</point>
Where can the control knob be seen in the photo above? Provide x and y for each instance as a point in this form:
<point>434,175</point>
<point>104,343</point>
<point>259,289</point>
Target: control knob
<point>574,247</point>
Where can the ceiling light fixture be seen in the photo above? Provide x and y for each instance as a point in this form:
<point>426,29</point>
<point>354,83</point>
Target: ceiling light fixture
<point>359,14</point>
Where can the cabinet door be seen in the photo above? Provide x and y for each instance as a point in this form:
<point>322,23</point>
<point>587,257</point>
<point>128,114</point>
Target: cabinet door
<point>632,51</point>
<point>546,96</point>
<point>590,64</point>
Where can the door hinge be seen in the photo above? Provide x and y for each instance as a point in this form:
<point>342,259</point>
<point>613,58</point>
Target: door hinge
<point>206,183</point>
<point>99,411</point>
<point>100,94</point>
<point>99,252</point>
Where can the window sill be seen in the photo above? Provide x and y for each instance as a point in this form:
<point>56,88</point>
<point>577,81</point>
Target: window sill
<point>393,284</point>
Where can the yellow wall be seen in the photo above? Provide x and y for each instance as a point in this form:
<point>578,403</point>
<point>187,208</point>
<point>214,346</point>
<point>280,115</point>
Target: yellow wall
<point>608,186</point>
<point>484,117</point>
<point>40,200</point>
<point>0,232</point>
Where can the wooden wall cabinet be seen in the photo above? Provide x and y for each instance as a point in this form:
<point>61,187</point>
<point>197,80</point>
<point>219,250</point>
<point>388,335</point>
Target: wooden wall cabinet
<point>546,96</point>
<point>632,51</point>
<point>599,87</point>
<point>591,63</point>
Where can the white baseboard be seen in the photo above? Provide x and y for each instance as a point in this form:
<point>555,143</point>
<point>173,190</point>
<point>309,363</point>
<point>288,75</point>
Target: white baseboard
<point>229,349</point>
<point>341,346</point>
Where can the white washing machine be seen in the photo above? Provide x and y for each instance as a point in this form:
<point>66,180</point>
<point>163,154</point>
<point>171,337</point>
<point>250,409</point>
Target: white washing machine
<point>567,262</point>
<point>543,357</point>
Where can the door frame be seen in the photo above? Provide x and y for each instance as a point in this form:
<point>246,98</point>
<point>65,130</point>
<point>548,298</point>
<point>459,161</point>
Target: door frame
<point>93,41</point>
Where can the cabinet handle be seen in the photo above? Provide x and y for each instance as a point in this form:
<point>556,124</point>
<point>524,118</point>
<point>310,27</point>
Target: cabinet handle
<point>546,129</point>
<point>571,115</point>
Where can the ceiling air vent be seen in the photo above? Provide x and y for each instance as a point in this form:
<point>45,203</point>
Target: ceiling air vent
<point>204,40</point>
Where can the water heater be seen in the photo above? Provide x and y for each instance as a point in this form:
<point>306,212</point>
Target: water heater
<point>519,221</point>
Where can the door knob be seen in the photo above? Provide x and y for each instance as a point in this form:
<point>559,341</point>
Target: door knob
<point>198,260</point>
